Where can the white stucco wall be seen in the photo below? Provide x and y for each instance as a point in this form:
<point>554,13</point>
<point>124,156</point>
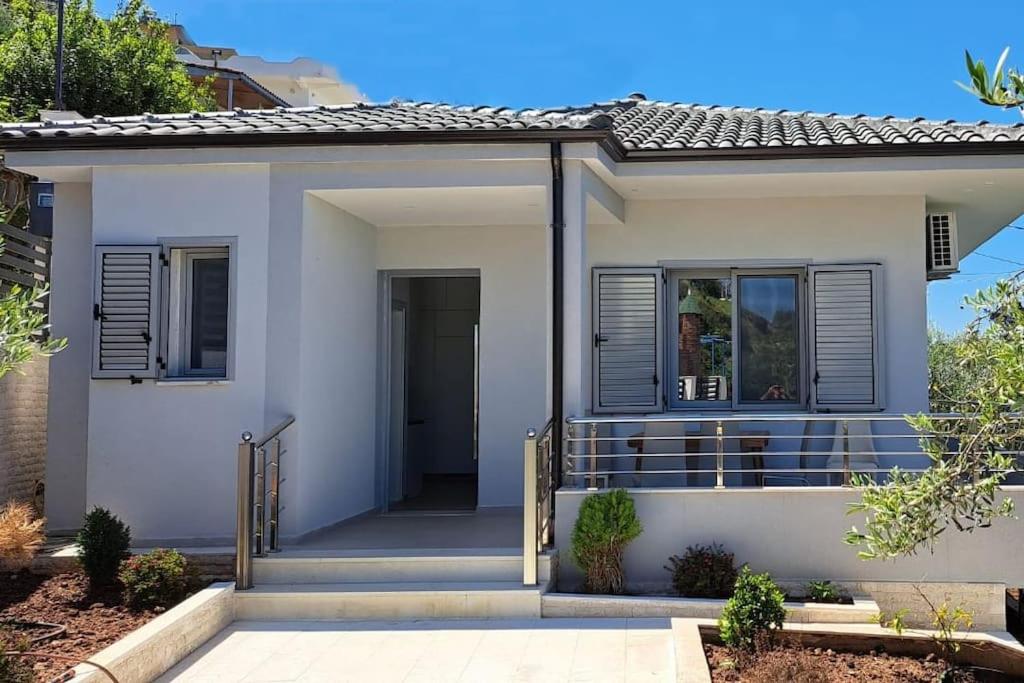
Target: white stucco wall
<point>162,455</point>
<point>883,230</point>
<point>514,309</point>
<point>794,534</point>
<point>333,474</point>
<point>70,317</point>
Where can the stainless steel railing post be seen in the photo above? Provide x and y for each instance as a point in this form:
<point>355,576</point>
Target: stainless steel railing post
<point>259,501</point>
<point>243,523</point>
<point>530,508</point>
<point>846,453</point>
<point>593,456</point>
<point>274,471</point>
<point>719,455</point>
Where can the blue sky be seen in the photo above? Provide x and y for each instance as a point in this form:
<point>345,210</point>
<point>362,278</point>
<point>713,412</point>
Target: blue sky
<point>873,57</point>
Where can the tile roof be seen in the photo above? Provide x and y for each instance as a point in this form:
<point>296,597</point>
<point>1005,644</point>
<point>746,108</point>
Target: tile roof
<point>632,125</point>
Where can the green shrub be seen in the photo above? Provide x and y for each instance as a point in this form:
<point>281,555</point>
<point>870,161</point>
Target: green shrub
<point>13,667</point>
<point>103,543</point>
<point>753,613</point>
<point>824,591</point>
<point>704,571</point>
<point>606,524</point>
<point>160,578</point>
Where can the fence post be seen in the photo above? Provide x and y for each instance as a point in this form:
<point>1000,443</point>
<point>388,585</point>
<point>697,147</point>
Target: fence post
<point>846,453</point>
<point>568,452</point>
<point>259,502</point>
<point>530,508</point>
<point>243,524</point>
<point>719,455</point>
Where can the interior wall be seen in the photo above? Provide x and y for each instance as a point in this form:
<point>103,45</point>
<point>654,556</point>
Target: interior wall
<point>514,295</point>
<point>337,366</point>
<point>443,313</point>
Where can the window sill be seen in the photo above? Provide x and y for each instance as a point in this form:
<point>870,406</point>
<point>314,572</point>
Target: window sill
<point>193,381</point>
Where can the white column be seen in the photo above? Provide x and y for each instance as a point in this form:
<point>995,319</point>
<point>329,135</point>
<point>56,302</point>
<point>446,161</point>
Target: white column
<point>577,294</point>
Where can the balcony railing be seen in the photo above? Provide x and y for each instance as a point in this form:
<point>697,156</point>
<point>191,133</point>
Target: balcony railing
<point>259,500</point>
<point>743,450</point>
<point>538,498</point>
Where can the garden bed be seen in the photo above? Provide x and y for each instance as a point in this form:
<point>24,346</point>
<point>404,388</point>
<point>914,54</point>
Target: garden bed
<point>91,619</point>
<point>843,658</point>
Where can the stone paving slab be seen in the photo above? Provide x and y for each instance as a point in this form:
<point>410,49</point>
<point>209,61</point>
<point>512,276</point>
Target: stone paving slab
<point>520,651</point>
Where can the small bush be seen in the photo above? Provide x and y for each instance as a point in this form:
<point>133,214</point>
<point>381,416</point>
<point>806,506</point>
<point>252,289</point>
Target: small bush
<point>160,578</point>
<point>21,536</point>
<point>753,613</point>
<point>606,524</point>
<point>704,571</point>
<point>824,591</point>
<point>103,543</point>
<point>14,668</point>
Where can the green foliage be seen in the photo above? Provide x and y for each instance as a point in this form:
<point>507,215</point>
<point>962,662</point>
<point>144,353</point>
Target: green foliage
<point>970,457</point>
<point>897,621</point>
<point>22,323</point>
<point>703,571</point>
<point>753,613</point>
<point>160,578</point>
<point>14,668</point>
<point>949,374</point>
<point>103,543</point>
<point>606,524</point>
<point>824,591</point>
<point>117,66</point>
<point>1000,88</point>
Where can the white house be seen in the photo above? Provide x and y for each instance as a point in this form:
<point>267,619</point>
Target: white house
<point>419,284</point>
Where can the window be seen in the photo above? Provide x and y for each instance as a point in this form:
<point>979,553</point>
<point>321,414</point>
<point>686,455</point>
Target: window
<point>702,352</point>
<point>197,339</point>
<point>732,338</point>
<point>737,339</point>
<point>162,312</point>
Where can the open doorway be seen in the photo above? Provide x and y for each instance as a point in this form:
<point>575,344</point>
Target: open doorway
<point>432,426</point>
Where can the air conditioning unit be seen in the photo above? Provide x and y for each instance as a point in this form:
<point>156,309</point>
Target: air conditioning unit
<point>941,243</point>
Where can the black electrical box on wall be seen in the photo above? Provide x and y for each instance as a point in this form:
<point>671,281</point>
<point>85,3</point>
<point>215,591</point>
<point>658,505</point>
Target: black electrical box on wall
<point>40,202</point>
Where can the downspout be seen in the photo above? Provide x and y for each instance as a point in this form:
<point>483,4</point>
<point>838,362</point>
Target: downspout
<point>557,309</point>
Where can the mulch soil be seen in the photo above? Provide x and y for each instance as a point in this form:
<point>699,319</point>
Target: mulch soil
<point>815,665</point>
<point>93,619</point>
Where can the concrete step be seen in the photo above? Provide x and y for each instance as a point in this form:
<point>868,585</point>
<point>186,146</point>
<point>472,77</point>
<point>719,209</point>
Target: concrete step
<point>389,600</point>
<point>361,566</point>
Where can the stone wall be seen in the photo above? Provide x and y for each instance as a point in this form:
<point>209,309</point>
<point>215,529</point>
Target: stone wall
<point>23,398</point>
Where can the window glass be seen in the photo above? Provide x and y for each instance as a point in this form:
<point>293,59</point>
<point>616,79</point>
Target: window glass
<point>209,321</point>
<point>769,328</point>
<point>704,326</point>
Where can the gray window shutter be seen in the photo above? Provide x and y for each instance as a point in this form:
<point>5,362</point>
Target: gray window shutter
<point>125,312</point>
<point>845,321</point>
<point>628,336</point>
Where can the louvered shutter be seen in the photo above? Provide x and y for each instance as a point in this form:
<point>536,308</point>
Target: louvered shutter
<point>845,320</point>
<point>627,339</point>
<point>126,312</point>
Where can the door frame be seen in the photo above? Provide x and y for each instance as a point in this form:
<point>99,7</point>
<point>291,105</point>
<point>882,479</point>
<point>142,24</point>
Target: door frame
<point>384,303</point>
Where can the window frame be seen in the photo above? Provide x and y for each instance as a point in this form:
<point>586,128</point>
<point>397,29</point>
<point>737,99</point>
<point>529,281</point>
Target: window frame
<point>178,257</point>
<point>671,365</point>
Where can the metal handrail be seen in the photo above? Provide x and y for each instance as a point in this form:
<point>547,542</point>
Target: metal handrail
<point>589,457</point>
<point>252,526</point>
<point>538,498</point>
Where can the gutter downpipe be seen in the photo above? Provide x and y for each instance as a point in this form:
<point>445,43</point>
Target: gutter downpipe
<point>557,310</point>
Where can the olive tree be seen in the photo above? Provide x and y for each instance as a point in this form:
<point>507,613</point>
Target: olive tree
<point>978,373</point>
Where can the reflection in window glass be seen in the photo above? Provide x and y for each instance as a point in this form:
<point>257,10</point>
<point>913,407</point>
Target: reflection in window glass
<point>209,324</point>
<point>705,339</point>
<point>768,330</point>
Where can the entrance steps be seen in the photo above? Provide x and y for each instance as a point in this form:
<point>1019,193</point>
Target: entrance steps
<point>393,584</point>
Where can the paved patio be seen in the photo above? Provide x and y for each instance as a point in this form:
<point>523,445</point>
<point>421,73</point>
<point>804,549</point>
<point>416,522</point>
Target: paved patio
<point>535,650</point>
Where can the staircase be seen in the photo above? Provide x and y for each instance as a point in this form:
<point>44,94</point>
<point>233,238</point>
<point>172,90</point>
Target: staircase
<point>393,584</point>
